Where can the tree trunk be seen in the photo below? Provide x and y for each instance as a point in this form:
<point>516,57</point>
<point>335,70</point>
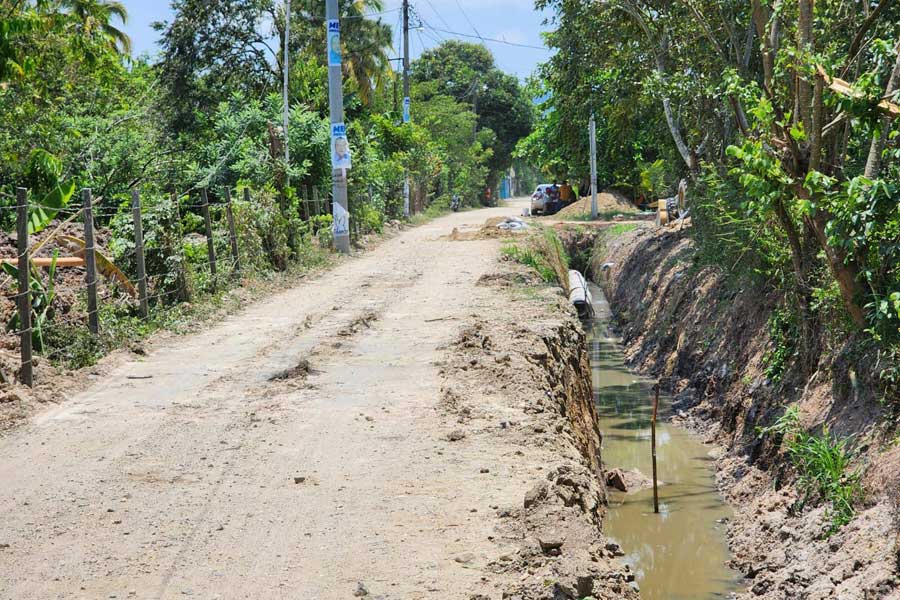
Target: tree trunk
<point>805,44</point>
<point>817,125</point>
<point>844,269</point>
<point>683,149</point>
<point>879,141</point>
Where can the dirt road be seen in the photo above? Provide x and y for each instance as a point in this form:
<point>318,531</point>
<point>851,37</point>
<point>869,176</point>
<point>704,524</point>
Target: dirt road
<point>291,451</point>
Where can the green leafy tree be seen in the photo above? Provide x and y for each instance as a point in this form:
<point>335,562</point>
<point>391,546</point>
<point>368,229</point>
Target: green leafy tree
<point>467,73</point>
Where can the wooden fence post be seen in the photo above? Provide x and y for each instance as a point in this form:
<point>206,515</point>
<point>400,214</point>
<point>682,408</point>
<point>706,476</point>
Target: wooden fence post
<point>232,233</point>
<point>307,212</point>
<point>90,263</point>
<point>316,201</point>
<point>139,252</point>
<point>210,243</point>
<point>26,373</point>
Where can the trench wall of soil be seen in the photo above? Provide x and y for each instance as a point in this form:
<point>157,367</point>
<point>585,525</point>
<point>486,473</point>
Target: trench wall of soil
<point>525,375</point>
<point>706,339</point>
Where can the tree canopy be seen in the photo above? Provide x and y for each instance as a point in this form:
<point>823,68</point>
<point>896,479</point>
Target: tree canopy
<point>779,114</point>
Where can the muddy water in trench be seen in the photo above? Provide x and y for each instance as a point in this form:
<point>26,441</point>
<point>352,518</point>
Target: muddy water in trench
<point>679,554</point>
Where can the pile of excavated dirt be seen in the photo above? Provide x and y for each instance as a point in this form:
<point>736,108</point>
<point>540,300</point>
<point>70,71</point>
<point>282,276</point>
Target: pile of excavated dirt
<point>525,378</point>
<point>706,341</point>
<point>490,230</point>
<point>606,202</point>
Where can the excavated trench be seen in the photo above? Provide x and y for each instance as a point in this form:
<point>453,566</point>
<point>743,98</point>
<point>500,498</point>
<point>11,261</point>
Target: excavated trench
<point>682,552</point>
<point>707,341</point>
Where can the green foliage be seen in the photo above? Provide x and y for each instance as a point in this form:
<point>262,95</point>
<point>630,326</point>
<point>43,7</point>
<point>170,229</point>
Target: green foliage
<point>43,175</point>
<point>42,297</point>
<point>543,252</point>
<point>74,346</point>
<point>654,178</point>
<point>823,465</point>
<point>530,258</point>
<point>791,190</point>
<point>618,230</point>
<point>77,112</point>
<point>464,71</point>
<point>783,343</point>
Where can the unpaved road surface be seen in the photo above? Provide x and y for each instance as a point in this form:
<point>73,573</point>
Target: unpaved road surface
<point>291,451</point>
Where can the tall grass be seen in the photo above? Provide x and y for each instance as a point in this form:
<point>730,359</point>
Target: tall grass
<point>823,466</point>
<point>543,252</point>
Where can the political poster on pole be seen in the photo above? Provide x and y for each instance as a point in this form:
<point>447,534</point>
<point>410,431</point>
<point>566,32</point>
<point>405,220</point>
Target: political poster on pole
<point>406,105</point>
<point>340,147</point>
<point>334,43</point>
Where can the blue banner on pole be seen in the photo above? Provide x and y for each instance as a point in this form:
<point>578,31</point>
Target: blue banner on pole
<point>334,43</point>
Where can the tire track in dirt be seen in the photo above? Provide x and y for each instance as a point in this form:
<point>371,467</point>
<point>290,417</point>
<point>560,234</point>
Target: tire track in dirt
<point>173,476</point>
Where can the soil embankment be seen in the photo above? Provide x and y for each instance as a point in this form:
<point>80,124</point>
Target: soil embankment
<point>526,378</point>
<point>417,423</point>
<point>706,341</point>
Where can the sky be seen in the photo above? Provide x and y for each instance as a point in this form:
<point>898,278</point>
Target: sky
<point>514,21</point>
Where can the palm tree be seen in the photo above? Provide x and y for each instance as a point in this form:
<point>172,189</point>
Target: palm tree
<point>366,61</point>
<point>93,19</point>
<point>365,41</point>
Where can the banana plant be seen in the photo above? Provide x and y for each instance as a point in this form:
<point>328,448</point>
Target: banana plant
<point>105,266</point>
<point>42,297</point>
<point>46,171</point>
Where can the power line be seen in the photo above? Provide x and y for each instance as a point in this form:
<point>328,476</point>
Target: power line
<point>484,39</point>
<point>434,36</point>
<point>471,24</point>
<point>439,15</point>
<point>421,41</point>
<point>370,15</point>
<point>421,24</point>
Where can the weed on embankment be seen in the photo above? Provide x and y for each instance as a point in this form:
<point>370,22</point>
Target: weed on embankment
<point>543,252</point>
<point>823,466</point>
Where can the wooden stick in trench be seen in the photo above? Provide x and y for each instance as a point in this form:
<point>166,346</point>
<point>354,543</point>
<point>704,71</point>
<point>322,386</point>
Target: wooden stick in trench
<point>653,447</point>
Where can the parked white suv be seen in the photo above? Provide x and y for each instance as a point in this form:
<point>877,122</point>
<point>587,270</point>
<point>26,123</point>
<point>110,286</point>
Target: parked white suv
<point>539,198</point>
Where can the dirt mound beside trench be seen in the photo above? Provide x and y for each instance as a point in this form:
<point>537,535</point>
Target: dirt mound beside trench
<point>525,378</point>
<point>606,202</point>
<point>707,340</point>
<point>489,231</point>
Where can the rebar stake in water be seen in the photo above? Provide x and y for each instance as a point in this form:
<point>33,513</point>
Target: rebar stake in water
<point>653,447</point>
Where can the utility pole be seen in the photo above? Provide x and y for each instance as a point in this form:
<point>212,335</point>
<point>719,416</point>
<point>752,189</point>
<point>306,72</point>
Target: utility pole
<point>287,105</point>
<point>336,108</point>
<point>593,135</point>
<point>407,103</point>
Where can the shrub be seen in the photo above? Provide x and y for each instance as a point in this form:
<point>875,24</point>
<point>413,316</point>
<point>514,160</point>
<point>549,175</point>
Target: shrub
<point>783,339</point>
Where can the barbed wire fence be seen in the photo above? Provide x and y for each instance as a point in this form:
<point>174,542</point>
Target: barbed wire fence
<point>164,281</point>
<point>147,290</point>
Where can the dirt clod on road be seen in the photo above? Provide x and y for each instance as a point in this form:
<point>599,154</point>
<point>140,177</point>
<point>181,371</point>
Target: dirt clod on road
<point>196,471</point>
